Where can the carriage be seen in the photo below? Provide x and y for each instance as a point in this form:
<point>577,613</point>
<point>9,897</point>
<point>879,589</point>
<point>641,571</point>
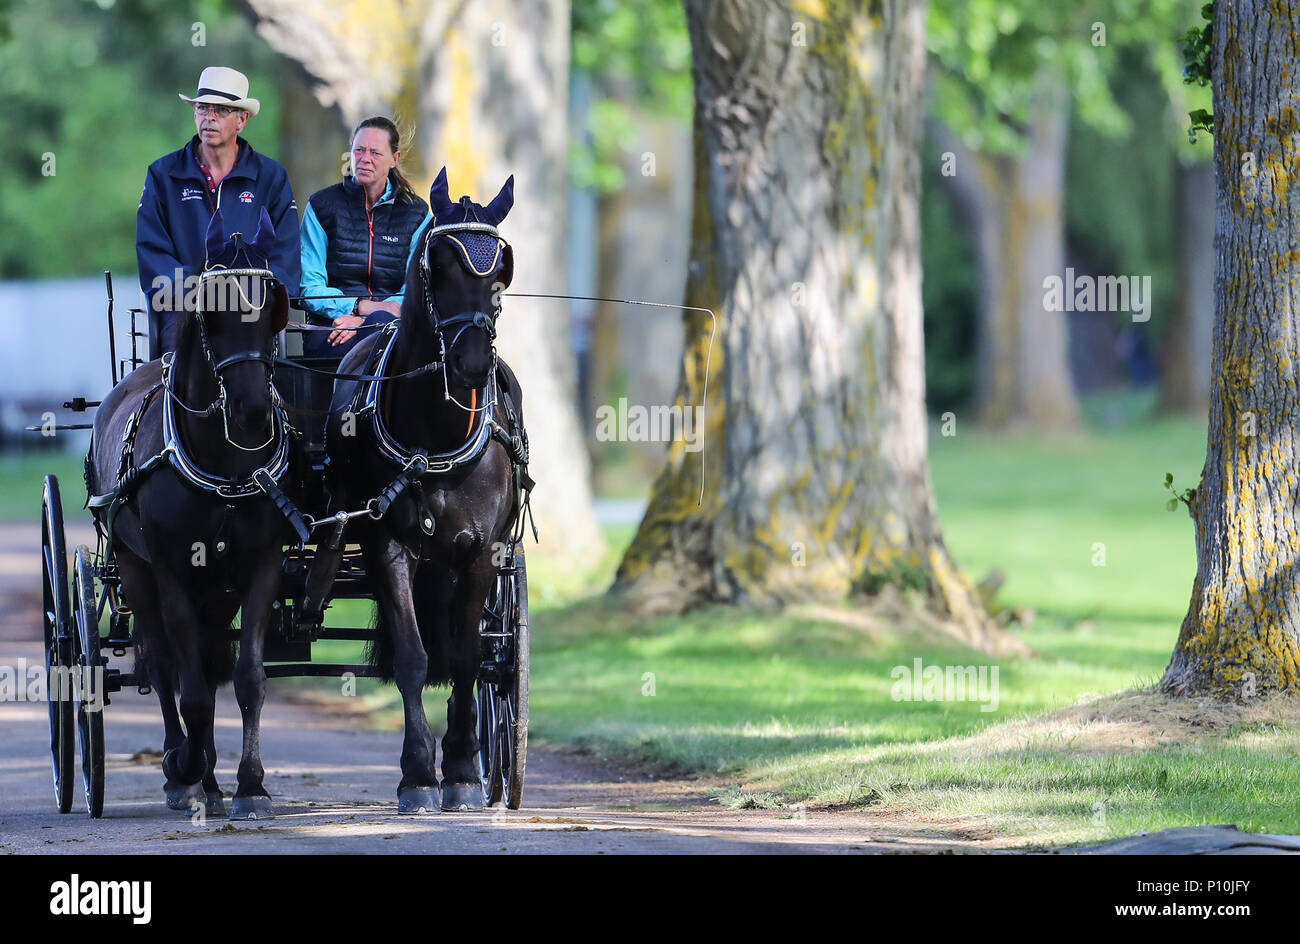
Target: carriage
<point>86,613</point>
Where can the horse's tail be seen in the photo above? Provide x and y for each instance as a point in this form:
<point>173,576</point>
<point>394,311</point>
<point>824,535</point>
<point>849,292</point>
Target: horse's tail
<point>431,593</point>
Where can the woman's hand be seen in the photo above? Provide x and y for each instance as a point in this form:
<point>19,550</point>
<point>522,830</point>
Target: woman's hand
<point>338,336</point>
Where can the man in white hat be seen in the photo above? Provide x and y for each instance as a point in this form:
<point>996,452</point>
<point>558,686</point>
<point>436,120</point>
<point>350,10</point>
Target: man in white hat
<point>217,168</point>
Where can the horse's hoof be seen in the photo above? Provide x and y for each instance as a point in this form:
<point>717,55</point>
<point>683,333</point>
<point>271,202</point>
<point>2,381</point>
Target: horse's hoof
<point>462,797</point>
<point>170,765</point>
<point>417,800</point>
<point>215,806</point>
<point>251,807</point>
<point>184,797</point>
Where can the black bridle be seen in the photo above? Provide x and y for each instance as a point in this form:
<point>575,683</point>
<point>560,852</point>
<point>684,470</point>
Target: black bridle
<point>462,321</point>
<point>268,359</point>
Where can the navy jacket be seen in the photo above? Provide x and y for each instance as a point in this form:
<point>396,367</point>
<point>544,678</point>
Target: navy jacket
<point>176,207</point>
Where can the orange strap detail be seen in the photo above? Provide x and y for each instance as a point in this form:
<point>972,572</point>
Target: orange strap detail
<point>473,402</point>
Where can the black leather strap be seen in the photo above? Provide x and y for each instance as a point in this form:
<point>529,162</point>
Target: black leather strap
<point>286,507</point>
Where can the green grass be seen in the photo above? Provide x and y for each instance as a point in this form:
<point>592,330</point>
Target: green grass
<point>798,706</point>
<point>1038,510</point>
<point>21,475</point>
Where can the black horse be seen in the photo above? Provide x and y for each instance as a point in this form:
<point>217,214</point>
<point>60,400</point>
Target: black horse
<point>439,455</point>
<point>190,506</point>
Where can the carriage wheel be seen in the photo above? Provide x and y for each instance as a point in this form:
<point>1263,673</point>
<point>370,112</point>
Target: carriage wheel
<point>87,655</point>
<point>503,694</point>
<point>58,654</point>
<point>488,747</point>
<point>519,694</point>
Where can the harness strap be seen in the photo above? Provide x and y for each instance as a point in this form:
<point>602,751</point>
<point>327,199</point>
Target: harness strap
<point>283,504</point>
<point>130,476</point>
<point>126,471</point>
<point>411,472</point>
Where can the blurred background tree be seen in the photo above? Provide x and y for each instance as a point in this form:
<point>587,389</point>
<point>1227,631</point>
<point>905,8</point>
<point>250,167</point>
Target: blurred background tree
<point>99,94</point>
<point>631,168</point>
<point>1064,124</point>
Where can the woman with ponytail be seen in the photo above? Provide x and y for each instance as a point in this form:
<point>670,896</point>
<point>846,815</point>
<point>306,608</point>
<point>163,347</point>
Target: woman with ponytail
<point>357,239</point>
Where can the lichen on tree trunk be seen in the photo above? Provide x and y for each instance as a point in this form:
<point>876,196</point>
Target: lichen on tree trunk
<point>806,241</point>
<point>1241,634</point>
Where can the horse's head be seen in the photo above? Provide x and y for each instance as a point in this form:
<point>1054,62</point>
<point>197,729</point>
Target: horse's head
<point>242,308</point>
<point>466,266</point>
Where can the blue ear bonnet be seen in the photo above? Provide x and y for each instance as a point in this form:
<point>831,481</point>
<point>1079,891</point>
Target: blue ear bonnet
<point>480,253</point>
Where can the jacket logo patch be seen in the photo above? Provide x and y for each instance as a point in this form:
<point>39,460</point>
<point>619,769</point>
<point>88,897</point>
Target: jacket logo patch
<point>246,197</point>
<point>190,193</point>
<point>390,239</point>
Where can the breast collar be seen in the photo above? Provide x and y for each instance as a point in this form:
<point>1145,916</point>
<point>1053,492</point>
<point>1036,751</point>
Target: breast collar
<point>439,463</point>
<point>239,487</point>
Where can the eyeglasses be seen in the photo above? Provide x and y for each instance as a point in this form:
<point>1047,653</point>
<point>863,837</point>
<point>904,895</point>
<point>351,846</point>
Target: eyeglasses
<point>221,111</point>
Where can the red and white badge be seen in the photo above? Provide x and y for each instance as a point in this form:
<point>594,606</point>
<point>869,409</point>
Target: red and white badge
<point>246,197</point>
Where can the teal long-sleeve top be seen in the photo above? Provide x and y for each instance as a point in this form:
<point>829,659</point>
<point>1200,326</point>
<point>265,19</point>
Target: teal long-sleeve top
<point>315,280</point>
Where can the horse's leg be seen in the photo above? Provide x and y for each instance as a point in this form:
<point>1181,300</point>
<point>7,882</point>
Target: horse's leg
<point>214,803</point>
<point>461,768</point>
<point>137,580</point>
<point>187,763</point>
<point>162,676</point>
<point>390,567</point>
<point>251,799</point>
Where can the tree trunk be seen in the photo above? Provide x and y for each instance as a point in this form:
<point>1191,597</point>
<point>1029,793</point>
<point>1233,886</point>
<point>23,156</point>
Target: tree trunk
<point>485,85</point>
<point>1024,368</point>
<point>806,240</point>
<point>1241,634</point>
<point>1185,353</point>
<point>313,138</point>
<point>643,255</point>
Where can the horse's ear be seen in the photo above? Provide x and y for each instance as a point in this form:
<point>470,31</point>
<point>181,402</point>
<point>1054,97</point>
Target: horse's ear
<point>215,240</point>
<point>496,211</point>
<point>506,273</point>
<point>439,201</point>
<point>265,240</point>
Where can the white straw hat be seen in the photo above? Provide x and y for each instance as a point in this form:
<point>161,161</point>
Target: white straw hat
<point>221,86</point>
